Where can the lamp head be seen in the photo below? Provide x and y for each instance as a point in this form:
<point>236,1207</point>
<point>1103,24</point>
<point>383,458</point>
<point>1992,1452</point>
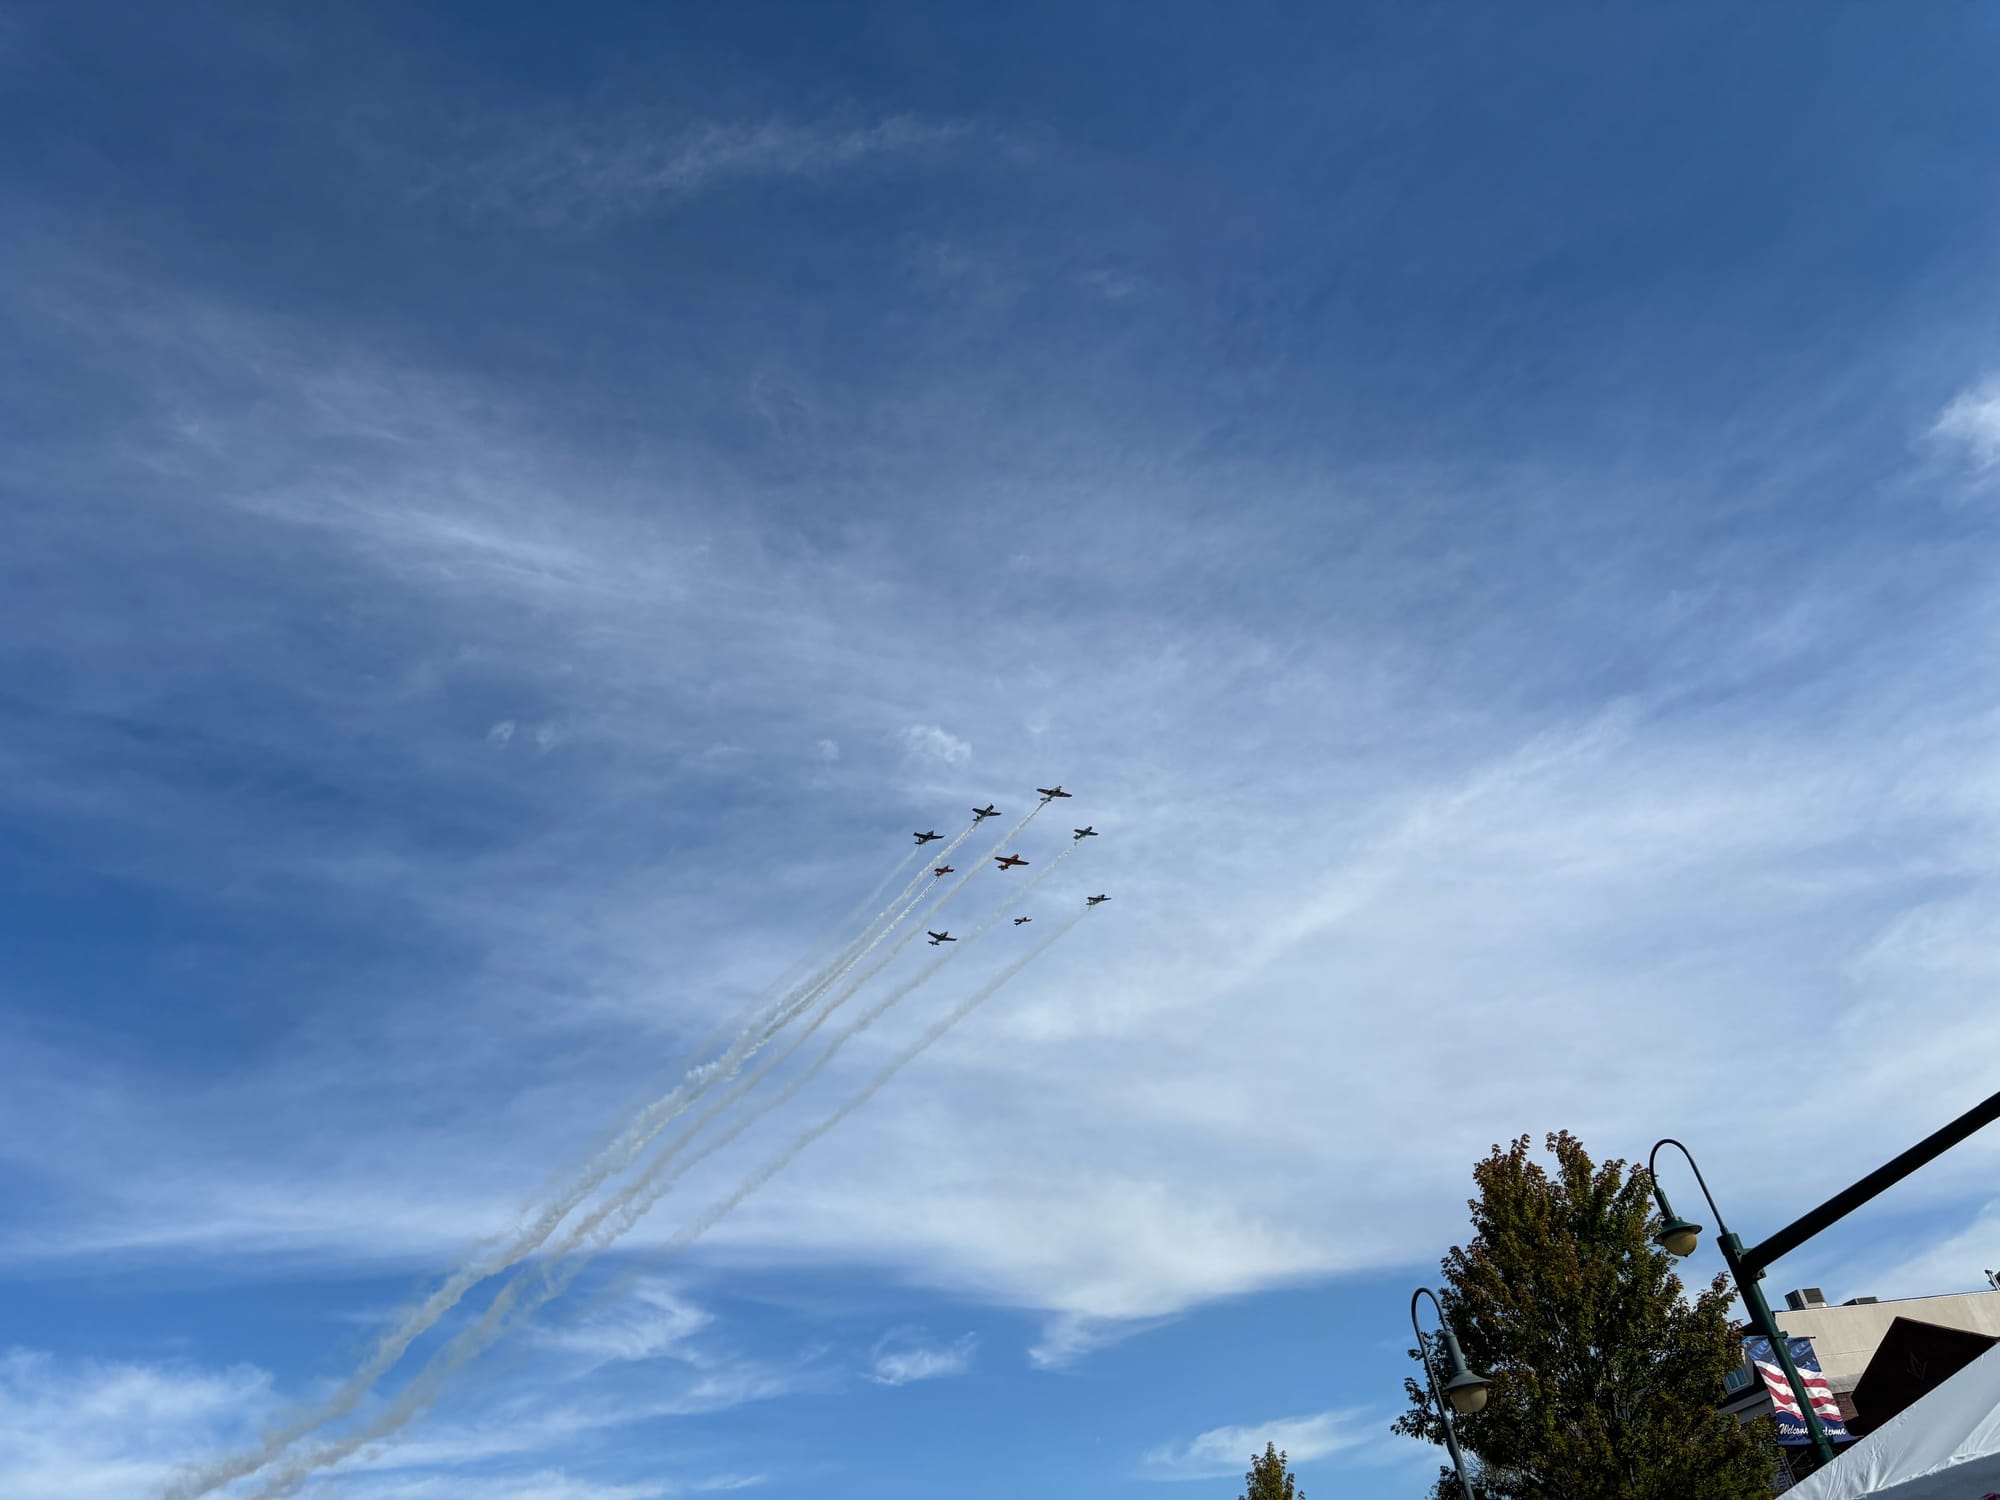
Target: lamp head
<point>1467,1392</point>
<point>1677,1236</point>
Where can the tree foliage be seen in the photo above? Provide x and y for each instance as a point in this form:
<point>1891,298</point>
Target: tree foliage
<point>1269,1479</point>
<point>1605,1378</point>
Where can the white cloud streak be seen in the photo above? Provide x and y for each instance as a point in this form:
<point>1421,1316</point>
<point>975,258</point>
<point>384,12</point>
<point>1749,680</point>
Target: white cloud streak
<point>109,1430</point>
<point>908,1355</point>
<point>1970,426</point>
<point>584,178</point>
<point>929,742</point>
<point>1226,1451</point>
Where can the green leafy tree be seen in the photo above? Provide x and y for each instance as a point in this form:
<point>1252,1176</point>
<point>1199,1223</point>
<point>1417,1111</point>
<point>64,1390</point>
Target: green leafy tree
<point>1268,1478</point>
<point>1605,1377</point>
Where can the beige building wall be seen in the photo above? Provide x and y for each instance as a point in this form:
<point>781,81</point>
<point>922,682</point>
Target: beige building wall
<point>1846,1338</point>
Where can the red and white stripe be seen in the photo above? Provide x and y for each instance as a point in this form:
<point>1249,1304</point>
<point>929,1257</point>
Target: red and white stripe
<point>1781,1390</point>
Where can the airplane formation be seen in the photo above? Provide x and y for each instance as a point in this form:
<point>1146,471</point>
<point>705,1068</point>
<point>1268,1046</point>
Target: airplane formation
<point>1048,794</point>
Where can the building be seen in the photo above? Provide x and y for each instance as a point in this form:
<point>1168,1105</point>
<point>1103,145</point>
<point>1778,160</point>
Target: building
<point>1877,1356</point>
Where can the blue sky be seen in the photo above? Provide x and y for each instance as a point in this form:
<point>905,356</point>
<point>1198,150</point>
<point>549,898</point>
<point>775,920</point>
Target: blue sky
<point>511,514</point>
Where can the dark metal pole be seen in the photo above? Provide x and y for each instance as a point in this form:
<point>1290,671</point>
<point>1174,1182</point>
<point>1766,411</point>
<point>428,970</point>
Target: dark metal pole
<point>1841,1204</point>
<point>1761,1320</point>
<point>1443,1406</point>
<point>1746,1276</point>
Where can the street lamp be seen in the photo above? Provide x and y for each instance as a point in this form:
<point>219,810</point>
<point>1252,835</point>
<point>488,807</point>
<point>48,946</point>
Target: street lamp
<point>1678,1237</point>
<point>1465,1391</point>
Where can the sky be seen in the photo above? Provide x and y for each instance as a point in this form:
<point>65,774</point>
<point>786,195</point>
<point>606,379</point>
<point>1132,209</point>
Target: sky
<point>511,515</point>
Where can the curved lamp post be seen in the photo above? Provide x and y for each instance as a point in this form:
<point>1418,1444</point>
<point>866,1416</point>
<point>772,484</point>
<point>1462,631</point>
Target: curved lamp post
<point>1464,1390</point>
<point>1678,1237</point>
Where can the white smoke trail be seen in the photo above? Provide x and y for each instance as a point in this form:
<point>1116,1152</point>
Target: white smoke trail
<point>424,1386</point>
<point>919,881</point>
<point>632,1202</point>
<point>660,1162</point>
<point>904,941</point>
<point>754,1008</point>
<point>802,973</point>
<point>645,1182</point>
<point>764,1022</point>
<point>639,1196</point>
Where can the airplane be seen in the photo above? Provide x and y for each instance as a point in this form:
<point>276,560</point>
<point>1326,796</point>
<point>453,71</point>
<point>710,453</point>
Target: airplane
<point>981,814</point>
<point>1094,900</point>
<point>925,838</point>
<point>1084,833</point>
<point>1022,921</point>
<point>940,937</point>
<point>1050,793</point>
<point>1008,861</point>
<point>941,870</point>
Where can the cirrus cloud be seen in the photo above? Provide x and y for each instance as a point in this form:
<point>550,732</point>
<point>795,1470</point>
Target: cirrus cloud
<point>907,1355</point>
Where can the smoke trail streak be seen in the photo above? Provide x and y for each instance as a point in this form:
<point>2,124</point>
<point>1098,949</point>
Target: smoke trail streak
<point>661,1160</point>
<point>916,883</point>
<point>659,1176</point>
<point>766,1019</point>
<point>423,1388</point>
<point>656,1181</point>
<point>904,941</point>
<point>632,1202</point>
<point>674,1147</point>
<point>755,1007</point>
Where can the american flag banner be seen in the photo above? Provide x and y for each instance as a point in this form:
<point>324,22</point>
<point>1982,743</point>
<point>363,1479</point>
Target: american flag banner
<point>1791,1422</point>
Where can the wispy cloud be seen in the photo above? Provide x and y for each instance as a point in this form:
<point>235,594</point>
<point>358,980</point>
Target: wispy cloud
<point>908,1355</point>
<point>1111,283</point>
<point>928,743</point>
<point>1226,1451</point>
<point>1069,1336</point>
<point>1969,426</point>
<point>107,1430</point>
<point>1950,1261</point>
<point>650,1321</point>
<point>584,175</point>
<point>545,1484</point>
<point>79,1429</point>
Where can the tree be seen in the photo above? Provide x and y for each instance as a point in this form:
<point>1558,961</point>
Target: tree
<point>1268,1478</point>
<point>1605,1377</point>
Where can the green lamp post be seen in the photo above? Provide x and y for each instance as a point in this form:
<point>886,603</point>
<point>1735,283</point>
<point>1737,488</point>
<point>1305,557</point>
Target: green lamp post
<point>1678,1237</point>
<point>1463,1390</point>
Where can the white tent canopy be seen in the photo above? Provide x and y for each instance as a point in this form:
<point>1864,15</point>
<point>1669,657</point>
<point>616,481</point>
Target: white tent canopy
<point>1945,1447</point>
